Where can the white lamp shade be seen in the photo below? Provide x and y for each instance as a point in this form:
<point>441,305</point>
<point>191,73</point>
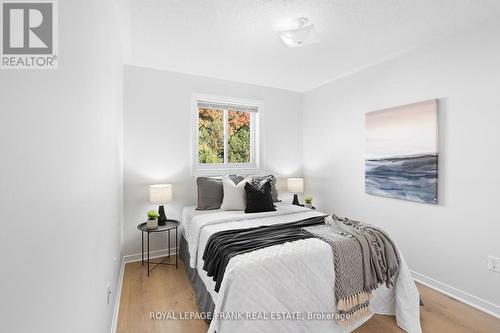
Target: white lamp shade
<point>160,194</point>
<point>295,185</point>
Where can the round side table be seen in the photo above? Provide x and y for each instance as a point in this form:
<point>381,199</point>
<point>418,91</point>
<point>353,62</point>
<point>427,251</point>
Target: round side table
<point>169,225</point>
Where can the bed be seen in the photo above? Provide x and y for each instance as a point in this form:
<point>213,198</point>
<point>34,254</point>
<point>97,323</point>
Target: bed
<point>282,288</point>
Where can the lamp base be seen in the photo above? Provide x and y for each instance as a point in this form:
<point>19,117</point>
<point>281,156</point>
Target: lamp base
<point>162,218</point>
<point>295,200</point>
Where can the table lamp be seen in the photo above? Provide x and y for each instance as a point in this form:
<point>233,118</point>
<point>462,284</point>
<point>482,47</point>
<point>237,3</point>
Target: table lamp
<point>160,194</point>
<point>295,185</point>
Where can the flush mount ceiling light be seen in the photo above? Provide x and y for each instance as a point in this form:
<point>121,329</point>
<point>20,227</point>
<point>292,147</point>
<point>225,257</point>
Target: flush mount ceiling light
<point>303,35</point>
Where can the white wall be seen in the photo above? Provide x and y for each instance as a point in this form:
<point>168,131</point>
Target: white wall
<point>61,180</point>
<point>157,138</point>
<point>448,242</point>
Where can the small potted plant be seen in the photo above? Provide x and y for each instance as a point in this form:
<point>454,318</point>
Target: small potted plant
<point>152,222</point>
<point>308,201</point>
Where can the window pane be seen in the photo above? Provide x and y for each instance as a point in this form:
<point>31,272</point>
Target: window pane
<point>239,137</point>
<point>211,140</point>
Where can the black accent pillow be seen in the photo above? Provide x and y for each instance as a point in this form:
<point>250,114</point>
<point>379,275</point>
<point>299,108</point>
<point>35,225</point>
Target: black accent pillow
<point>259,197</point>
<point>274,191</point>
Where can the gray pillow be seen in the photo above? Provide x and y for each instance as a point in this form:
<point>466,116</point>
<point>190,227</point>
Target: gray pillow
<point>274,191</point>
<point>210,193</point>
<point>236,178</point>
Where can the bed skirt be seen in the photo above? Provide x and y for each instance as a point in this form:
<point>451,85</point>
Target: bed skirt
<point>203,298</point>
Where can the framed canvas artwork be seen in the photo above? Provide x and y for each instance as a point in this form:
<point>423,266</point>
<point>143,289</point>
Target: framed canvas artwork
<point>402,152</point>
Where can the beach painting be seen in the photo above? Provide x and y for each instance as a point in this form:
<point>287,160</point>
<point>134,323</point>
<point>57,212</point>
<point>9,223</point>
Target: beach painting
<point>402,152</point>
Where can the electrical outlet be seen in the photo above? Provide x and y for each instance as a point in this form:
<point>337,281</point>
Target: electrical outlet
<point>108,291</point>
<point>494,264</point>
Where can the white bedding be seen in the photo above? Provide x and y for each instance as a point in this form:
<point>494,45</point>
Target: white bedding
<point>197,221</point>
<point>293,277</point>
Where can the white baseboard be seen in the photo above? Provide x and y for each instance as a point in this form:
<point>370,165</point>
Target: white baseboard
<point>152,255</point>
<point>116,311</point>
<point>459,295</point>
<point>125,260</point>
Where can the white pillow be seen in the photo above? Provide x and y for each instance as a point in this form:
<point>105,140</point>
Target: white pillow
<point>235,197</point>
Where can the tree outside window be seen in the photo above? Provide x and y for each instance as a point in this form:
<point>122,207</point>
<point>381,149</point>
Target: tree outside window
<point>224,129</point>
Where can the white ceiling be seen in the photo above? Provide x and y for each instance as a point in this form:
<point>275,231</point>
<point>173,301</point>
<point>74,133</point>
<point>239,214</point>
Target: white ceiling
<point>237,40</point>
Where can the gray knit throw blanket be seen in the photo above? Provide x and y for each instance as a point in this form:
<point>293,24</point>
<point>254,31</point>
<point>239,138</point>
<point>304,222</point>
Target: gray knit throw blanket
<point>364,257</point>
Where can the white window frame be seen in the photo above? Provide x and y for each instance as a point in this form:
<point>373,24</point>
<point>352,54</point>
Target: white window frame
<point>223,168</point>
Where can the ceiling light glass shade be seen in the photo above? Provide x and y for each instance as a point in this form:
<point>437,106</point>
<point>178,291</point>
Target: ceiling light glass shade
<point>160,194</point>
<point>302,36</point>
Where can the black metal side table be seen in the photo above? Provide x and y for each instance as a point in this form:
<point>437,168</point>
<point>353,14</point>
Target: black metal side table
<point>169,225</point>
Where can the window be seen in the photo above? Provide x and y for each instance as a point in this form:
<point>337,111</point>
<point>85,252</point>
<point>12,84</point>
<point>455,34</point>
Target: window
<point>225,134</point>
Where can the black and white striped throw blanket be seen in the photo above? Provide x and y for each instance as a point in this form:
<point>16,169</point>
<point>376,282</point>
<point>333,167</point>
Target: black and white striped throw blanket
<point>364,257</point>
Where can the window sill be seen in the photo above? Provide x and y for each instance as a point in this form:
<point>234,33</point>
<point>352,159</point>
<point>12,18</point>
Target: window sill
<point>225,171</point>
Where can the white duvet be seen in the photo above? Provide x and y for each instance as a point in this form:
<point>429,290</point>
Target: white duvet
<point>293,279</point>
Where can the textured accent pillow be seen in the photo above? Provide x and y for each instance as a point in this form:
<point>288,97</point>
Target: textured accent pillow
<point>274,191</point>
<point>237,178</point>
<point>234,194</point>
<point>210,193</point>
<point>259,198</point>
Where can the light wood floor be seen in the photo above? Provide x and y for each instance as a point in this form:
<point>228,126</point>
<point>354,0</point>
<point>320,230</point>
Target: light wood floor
<point>168,289</point>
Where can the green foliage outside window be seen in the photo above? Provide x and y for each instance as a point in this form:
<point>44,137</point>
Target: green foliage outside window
<point>239,137</point>
<point>211,141</point>
<point>211,136</point>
